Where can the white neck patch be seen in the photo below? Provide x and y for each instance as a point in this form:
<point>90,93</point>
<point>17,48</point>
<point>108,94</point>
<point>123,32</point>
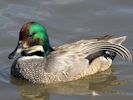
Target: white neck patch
<point>35,48</point>
<point>30,57</point>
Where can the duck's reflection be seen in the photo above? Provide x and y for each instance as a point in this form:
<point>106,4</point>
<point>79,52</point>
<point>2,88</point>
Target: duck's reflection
<point>99,83</point>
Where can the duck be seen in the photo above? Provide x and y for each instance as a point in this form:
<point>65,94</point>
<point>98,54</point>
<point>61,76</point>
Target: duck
<point>36,61</point>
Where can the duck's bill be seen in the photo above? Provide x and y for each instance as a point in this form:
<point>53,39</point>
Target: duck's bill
<point>16,52</point>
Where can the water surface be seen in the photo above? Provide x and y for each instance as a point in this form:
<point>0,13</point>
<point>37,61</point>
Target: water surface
<point>68,21</point>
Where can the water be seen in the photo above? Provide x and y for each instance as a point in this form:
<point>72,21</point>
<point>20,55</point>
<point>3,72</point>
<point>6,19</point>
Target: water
<point>68,21</point>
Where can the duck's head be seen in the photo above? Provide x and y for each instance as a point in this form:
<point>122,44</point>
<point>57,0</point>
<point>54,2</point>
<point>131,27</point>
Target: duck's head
<point>33,40</point>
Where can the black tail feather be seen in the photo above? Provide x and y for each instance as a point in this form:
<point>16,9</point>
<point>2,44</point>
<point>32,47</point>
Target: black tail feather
<point>105,53</point>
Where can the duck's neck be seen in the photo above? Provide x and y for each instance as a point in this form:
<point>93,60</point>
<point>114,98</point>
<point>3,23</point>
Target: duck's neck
<point>34,50</point>
<point>38,51</point>
<point>47,49</point>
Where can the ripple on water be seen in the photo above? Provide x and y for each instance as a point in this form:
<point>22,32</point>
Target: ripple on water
<point>56,42</point>
<point>116,11</point>
<point>8,92</point>
<point>27,12</point>
<point>13,33</point>
<point>5,22</point>
<point>126,10</point>
<point>61,2</point>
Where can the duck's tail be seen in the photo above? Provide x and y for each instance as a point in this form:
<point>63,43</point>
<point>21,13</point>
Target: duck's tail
<point>109,38</point>
<point>118,49</point>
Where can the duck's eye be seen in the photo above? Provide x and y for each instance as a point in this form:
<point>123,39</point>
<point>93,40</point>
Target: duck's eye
<point>33,33</point>
<point>30,35</point>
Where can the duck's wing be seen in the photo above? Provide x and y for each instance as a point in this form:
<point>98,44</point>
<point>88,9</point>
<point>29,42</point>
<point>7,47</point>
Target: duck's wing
<point>65,61</point>
<point>66,57</point>
<point>83,48</point>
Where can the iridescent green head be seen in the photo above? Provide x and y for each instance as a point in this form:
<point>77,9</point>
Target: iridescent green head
<point>32,37</point>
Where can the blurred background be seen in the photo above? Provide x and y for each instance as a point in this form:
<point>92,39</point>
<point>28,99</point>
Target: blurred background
<point>68,21</point>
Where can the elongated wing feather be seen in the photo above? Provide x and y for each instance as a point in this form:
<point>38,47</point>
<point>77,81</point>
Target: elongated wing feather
<point>85,47</point>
